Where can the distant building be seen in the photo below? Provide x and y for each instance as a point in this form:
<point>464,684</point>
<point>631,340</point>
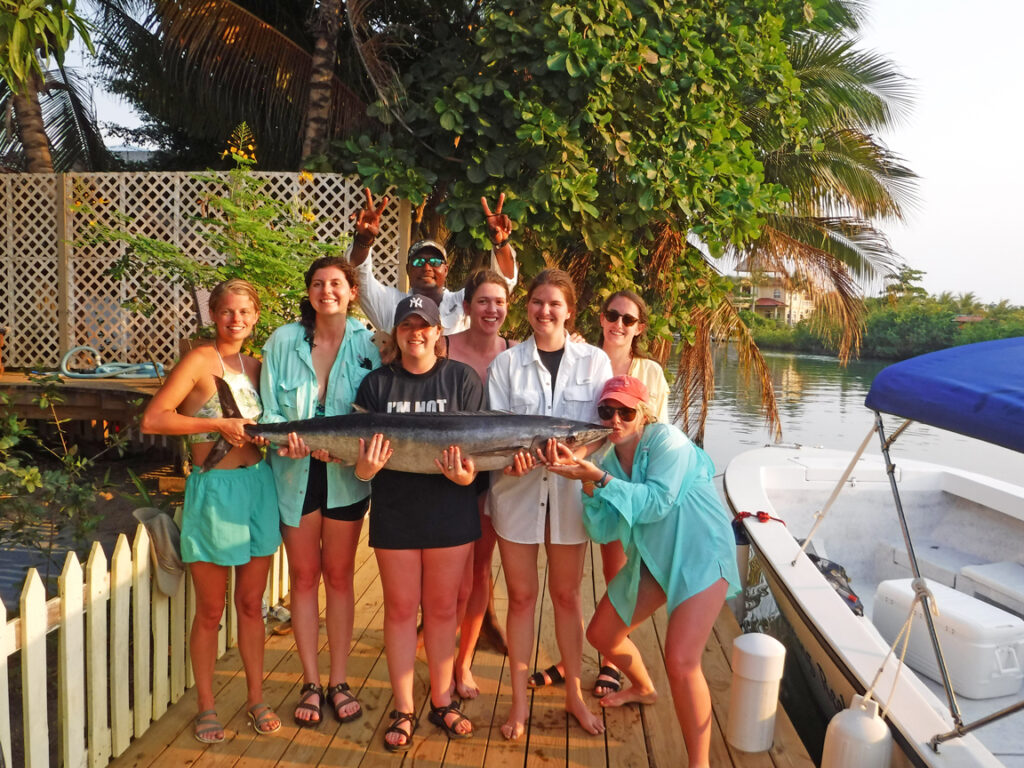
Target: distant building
<point>766,294</point>
<point>128,154</point>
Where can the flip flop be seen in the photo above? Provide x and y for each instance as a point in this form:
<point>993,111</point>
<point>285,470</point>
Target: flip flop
<point>611,682</point>
<point>307,692</point>
<point>397,719</point>
<point>437,717</point>
<point>550,676</point>
<point>207,723</point>
<point>260,715</point>
<point>346,692</point>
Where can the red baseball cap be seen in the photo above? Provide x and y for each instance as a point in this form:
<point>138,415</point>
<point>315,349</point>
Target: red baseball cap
<point>626,390</point>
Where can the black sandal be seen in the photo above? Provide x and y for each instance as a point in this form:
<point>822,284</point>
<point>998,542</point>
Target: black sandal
<point>397,719</point>
<point>345,691</point>
<point>612,683</point>
<point>307,692</point>
<point>550,676</point>
<point>437,717</point>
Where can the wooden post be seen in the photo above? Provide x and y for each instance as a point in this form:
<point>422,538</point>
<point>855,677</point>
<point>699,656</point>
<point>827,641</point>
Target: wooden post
<point>120,617</point>
<point>63,190</point>
<point>70,670</point>
<point>33,672</point>
<point>404,241</point>
<point>97,583</point>
<point>6,649</point>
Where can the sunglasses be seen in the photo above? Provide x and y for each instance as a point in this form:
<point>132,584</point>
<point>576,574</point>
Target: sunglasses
<point>613,315</point>
<point>607,412</point>
<point>422,261</point>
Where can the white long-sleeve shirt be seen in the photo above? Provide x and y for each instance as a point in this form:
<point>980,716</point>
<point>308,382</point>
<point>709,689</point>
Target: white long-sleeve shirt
<point>518,381</point>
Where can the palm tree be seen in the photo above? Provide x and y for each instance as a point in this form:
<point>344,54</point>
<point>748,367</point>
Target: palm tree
<point>826,239</point>
<point>32,34</point>
<point>203,66</point>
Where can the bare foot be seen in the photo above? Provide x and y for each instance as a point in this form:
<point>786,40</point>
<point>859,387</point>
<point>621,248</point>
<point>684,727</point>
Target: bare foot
<point>465,684</point>
<point>590,722</point>
<point>515,726</point>
<point>629,696</point>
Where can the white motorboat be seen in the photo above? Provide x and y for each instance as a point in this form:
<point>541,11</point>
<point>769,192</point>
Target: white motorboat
<point>910,536</point>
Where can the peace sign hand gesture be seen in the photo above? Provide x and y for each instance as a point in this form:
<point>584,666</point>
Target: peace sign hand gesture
<point>499,226</point>
<point>367,219</point>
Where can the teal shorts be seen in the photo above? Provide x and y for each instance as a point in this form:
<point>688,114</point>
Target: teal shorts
<point>230,516</point>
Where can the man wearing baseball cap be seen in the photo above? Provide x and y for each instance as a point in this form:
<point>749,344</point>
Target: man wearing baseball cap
<point>427,267</point>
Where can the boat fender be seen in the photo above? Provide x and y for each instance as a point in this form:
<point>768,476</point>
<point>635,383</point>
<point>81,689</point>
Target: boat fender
<point>757,663</point>
<point>857,737</point>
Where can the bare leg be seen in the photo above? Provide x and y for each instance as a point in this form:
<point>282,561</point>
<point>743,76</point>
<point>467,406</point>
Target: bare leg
<point>613,558</point>
<point>210,582</point>
<point>610,635</point>
<point>401,578</point>
<point>479,577</point>
<point>250,584</point>
<point>565,572</point>
<point>520,564</point>
<point>304,556</point>
<point>340,540</point>
<point>443,570</point>
<point>689,627</point>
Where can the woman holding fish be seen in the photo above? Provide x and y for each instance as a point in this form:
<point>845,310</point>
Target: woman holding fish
<point>422,526</point>
<point>313,368</point>
<point>485,301</point>
<point>653,491</point>
<point>551,375</point>
<point>230,515</point>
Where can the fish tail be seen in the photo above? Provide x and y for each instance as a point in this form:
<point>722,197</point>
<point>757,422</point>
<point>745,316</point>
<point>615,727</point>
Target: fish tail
<point>230,409</point>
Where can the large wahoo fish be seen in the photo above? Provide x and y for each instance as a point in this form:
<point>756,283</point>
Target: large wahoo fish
<point>490,438</point>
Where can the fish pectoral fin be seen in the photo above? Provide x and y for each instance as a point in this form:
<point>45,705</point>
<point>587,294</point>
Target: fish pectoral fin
<point>507,451</point>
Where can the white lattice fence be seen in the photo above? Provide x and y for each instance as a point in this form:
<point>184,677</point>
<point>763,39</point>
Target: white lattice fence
<point>55,295</point>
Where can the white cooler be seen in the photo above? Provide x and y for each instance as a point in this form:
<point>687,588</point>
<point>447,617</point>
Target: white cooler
<point>983,645</point>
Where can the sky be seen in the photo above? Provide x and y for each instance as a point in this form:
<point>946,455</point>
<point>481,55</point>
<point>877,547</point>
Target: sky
<point>962,138</point>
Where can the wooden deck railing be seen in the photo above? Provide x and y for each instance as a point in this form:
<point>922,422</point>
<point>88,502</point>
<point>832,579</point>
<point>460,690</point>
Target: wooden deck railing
<point>121,655</point>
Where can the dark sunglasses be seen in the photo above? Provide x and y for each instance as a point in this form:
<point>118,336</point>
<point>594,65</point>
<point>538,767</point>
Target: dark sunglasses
<point>613,315</point>
<point>607,412</point>
<point>422,261</point>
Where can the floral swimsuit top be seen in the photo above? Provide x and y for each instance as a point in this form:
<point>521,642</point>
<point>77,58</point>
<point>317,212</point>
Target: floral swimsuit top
<point>246,397</point>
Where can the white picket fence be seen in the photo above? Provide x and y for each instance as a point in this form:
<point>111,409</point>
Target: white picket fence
<point>122,655</point>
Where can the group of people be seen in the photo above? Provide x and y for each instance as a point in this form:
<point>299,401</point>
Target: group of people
<point>646,494</point>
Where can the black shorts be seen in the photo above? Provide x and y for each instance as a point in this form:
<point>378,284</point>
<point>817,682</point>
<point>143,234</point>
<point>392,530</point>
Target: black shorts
<point>316,497</point>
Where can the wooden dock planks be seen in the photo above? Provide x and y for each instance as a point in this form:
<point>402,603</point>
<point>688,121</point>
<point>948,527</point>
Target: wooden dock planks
<point>647,737</point>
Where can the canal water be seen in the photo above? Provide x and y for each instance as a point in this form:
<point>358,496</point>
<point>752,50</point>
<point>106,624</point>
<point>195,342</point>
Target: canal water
<point>821,403</point>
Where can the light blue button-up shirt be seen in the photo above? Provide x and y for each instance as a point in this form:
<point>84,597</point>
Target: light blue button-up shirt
<point>289,389</point>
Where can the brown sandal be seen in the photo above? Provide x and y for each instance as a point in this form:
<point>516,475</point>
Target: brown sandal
<point>397,719</point>
<point>308,691</point>
<point>346,692</point>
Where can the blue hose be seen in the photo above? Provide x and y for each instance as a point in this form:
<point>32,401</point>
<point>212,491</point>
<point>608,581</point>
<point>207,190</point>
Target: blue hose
<point>110,370</point>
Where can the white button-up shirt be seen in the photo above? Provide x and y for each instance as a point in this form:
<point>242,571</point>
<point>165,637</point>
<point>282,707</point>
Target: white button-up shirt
<point>379,301</point>
<point>517,381</point>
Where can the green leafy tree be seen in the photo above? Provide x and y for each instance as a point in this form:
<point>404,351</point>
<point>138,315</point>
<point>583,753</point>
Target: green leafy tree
<point>31,33</point>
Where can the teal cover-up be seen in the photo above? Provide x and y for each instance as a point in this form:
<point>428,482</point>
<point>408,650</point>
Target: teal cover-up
<point>668,517</point>
<point>230,516</point>
<point>290,392</point>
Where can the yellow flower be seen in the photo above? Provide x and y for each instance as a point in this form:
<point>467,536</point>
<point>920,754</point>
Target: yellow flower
<point>308,216</point>
<point>305,176</point>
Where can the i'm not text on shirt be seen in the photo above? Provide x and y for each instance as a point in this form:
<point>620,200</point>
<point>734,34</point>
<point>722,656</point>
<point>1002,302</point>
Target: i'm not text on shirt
<point>418,406</point>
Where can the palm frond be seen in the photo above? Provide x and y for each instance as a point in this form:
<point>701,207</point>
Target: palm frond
<point>69,119</point>
<point>853,174</point>
<point>227,65</point>
<point>844,86</point>
<point>695,380</point>
<point>789,251</point>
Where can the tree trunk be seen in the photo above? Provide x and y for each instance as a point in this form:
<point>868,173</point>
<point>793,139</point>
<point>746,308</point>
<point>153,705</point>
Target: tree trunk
<point>30,126</point>
<point>318,110</point>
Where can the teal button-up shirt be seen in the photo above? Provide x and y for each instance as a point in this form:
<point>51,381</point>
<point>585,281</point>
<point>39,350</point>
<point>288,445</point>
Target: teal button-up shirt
<point>289,389</point>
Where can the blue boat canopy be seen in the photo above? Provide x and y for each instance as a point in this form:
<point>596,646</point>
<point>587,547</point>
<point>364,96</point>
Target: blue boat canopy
<point>975,390</point>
